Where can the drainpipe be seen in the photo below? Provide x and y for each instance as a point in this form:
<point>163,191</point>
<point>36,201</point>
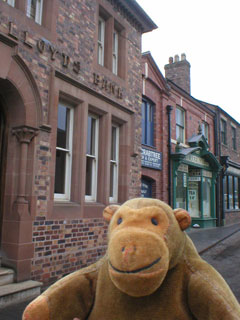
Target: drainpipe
<point>169,110</point>
<point>218,184</point>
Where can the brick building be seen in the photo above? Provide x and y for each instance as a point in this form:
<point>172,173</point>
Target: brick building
<point>228,152</point>
<point>182,130</point>
<point>70,97</point>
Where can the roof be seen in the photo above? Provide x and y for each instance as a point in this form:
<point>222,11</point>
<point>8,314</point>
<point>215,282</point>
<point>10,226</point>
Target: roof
<point>140,15</point>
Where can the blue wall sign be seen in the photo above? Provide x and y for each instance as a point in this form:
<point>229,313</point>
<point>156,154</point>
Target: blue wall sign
<point>151,159</point>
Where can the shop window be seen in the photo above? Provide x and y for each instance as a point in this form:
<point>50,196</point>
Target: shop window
<point>34,10</point>
<point>10,2</point>
<point>206,187</point>
<point>224,131</point>
<point>114,164</point>
<point>147,123</point>
<point>181,190</point>
<point>63,152</point>
<point>235,192</point>
<point>225,192</point>
<point>194,192</point>
<point>205,130</point>
<point>92,158</point>
<point>180,125</point>
<point>230,192</point>
<point>234,139</point>
<point>115,53</point>
<point>101,39</point>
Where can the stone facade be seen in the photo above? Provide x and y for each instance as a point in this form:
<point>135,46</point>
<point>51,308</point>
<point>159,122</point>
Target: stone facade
<point>42,238</point>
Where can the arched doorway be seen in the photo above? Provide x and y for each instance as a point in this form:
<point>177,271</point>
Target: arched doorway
<point>2,153</point>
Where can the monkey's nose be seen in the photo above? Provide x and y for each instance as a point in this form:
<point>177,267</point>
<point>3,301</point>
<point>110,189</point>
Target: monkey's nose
<point>128,251</point>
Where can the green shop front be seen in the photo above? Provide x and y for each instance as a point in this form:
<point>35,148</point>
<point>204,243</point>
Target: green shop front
<point>195,170</point>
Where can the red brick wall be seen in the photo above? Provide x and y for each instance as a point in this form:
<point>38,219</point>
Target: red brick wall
<point>63,246</point>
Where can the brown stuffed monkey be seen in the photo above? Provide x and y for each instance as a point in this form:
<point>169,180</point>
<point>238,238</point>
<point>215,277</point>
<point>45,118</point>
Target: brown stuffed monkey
<point>151,271</point>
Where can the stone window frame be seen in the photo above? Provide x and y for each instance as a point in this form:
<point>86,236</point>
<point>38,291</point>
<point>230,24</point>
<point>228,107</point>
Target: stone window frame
<point>49,18</point>
<point>68,155</point>
<point>38,10</point>
<point>112,23</point>
<point>108,113</point>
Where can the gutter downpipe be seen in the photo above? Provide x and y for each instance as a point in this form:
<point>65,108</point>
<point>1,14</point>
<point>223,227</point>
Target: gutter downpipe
<point>169,110</point>
<point>219,176</point>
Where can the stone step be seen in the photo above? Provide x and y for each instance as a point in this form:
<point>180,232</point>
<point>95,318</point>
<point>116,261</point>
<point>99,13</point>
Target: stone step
<point>18,292</point>
<point>6,276</point>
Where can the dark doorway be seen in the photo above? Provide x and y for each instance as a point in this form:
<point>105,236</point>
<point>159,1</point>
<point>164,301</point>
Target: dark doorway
<point>2,152</point>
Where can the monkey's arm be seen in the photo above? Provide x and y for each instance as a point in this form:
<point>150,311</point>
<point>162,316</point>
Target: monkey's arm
<point>69,298</point>
<point>209,296</point>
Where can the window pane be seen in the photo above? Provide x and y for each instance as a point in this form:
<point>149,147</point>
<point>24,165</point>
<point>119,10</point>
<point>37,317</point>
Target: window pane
<point>225,192</point>
<point>147,123</point>
<point>114,144</point>
<point>206,197</point>
<point>91,136</point>
<point>179,117</point>
<point>112,165</point>
<point>230,188</point>
<point>236,196</point>
<point>194,198</point>
<point>60,172</point>
<point>89,176</point>
<point>62,135</point>
<point>181,190</point>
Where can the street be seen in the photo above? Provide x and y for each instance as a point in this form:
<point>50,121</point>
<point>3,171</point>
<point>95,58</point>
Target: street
<point>225,257</point>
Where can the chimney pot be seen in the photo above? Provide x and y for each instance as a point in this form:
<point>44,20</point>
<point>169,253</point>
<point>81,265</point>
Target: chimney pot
<point>170,60</point>
<point>183,56</point>
<point>176,58</point>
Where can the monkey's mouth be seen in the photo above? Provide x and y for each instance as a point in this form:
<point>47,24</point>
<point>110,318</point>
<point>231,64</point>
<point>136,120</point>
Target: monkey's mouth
<point>136,270</point>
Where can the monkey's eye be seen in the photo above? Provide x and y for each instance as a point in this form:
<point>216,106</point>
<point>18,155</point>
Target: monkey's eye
<point>154,221</point>
<point>119,220</point>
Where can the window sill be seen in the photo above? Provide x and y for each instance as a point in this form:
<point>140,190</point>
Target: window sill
<point>149,146</point>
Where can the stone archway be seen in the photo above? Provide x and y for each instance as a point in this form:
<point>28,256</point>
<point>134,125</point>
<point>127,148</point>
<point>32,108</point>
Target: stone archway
<point>2,153</point>
<point>20,100</point>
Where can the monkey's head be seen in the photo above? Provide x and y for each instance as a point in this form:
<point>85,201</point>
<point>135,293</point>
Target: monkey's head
<point>145,240</point>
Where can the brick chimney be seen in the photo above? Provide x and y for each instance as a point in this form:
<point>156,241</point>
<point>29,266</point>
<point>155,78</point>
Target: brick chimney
<point>178,71</point>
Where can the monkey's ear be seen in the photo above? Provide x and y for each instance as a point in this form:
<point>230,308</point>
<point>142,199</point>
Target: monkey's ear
<point>183,218</point>
<point>109,211</point>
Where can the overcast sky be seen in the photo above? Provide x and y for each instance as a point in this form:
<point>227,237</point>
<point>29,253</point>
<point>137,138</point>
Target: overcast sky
<point>208,32</point>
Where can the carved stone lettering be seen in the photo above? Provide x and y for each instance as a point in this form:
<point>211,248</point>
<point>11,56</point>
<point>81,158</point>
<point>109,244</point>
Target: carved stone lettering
<point>76,66</point>
<point>26,39</point>
<point>11,30</point>
<point>41,45</point>
<point>53,52</point>
<point>66,60</point>
<point>96,78</point>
